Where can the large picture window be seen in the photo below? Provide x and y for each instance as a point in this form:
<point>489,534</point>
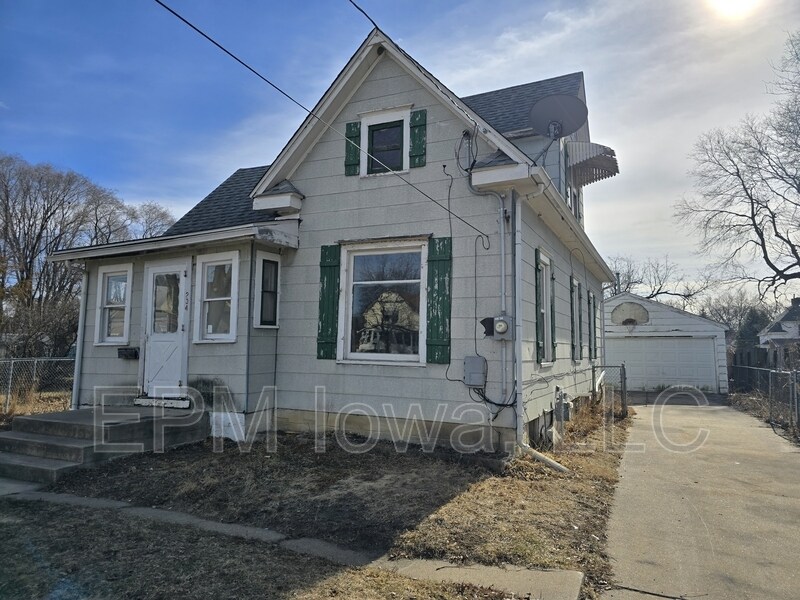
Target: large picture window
<point>113,304</point>
<point>385,300</point>
<point>216,297</point>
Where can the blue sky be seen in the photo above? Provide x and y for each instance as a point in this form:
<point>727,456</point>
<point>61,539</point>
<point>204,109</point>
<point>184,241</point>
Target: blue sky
<point>125,94</point>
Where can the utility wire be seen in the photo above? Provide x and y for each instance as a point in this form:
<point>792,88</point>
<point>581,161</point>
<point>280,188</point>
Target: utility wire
<point>311,113</point>
<point>363,12</point>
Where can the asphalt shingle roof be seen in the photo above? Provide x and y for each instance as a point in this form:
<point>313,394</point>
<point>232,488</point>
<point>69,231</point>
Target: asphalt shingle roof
<point>507,109</point>
<point>227,206</point>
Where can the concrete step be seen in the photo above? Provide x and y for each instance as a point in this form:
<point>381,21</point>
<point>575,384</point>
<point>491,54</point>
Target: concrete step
<point>33,468</point>
<point>117,428</point>
<point>47,446</point>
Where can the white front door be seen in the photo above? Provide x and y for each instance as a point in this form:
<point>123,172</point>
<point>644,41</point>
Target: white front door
<point>166,312</point>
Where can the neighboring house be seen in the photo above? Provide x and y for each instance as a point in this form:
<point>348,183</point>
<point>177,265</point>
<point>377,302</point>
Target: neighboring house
<point>781,339</point>
<point>663,346</point>
<point>349,290</point>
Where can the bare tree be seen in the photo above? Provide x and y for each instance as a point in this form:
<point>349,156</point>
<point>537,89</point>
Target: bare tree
<point>747,178</point>
<point>42,210</point>
<point>151,219</point>
<point>658,279</point>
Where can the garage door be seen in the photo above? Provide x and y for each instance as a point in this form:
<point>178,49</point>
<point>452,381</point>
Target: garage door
<point>653,363</point>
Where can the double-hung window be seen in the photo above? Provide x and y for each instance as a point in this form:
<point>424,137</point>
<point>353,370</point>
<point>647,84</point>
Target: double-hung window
<point>592,302</point>
<point>545,310</point>
<point>385,300</point>
<point>576,312</point>
<point>113,304</point>
<point>267,290</point>
<point>216,296</point>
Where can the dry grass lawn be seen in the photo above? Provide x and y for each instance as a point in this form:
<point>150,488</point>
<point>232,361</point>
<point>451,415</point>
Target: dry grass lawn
<point>51,551</point>
<point>31,403</point>
<point>408,504</point>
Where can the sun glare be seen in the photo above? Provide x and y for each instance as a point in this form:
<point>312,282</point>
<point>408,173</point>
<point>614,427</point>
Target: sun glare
<point>734,10</point>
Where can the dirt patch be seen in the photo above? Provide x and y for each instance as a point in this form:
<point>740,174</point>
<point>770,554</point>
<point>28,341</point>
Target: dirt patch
<point>52,552</point>
<point>410,504</point>
<point>31,403</point>
<point>358,500</point>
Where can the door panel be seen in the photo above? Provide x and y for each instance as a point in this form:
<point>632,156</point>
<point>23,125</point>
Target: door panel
<point>166,330</point>
<point>651,363</point>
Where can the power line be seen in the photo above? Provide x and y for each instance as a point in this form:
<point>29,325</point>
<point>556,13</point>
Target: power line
<point>310,112</point>
<point>363,12</point>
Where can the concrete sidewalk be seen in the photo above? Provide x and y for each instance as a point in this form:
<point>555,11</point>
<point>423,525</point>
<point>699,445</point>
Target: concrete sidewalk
<point>719,522</point>
<point>532,583</point>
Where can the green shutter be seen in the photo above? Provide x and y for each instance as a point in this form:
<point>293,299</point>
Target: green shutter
<point>580,322</point>
<point>419,138</point>
<point>539,309</point>
<point>328,302</point>
<point>352,155</point>
<point>553,308</point>
<point>573,333</point>
<point>440,266</point>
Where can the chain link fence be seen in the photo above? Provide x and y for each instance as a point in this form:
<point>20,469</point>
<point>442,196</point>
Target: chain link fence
<point>35,385</point>
<point>611,386</point>
<point>770,394</point>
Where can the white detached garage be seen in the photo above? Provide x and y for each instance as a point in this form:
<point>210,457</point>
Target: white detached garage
<point>663,346</point>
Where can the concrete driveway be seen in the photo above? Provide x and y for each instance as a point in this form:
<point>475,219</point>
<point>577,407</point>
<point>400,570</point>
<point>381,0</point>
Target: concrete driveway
<point>713,516</point>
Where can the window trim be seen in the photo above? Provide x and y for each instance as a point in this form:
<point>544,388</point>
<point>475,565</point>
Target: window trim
<point>262,255</point>
<point>381,117</point>
<point>203,260</point>
<point>99,338</point>
<point>546,272</point>
<point>343,354</point>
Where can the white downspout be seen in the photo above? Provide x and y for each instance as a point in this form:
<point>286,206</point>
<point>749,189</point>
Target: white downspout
<point>503,295</point>
<point>523,447</point>
<point>76,377</point>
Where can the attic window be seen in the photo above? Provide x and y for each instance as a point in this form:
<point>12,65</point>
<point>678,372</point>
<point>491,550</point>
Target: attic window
<point>385,147</point>
<point>395,137</point>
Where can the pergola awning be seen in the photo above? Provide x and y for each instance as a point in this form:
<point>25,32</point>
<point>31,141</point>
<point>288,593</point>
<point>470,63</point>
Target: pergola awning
<point>591,162</point>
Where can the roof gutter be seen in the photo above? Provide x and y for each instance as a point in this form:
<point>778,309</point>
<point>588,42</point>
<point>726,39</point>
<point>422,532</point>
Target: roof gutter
<point>533,182</point>
<point>278,233</point>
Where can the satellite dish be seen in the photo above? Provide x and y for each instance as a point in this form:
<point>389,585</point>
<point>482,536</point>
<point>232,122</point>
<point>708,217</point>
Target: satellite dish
<point>558,115</point>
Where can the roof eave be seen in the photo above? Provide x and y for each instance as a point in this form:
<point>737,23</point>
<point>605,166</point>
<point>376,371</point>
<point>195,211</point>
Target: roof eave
<point>273,233</point>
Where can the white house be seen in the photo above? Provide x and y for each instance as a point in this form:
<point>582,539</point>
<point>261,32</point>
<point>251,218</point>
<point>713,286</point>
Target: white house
<point>781,338</point>
<point>277,286</point>
<point>663,346</point>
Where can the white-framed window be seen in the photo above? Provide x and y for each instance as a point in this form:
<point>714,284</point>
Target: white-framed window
<point>216,297</point>
<point>592,302</point>
<point>576,304</point>
<point>267,290</point>
<point>545,300</point>
<point>113,318</point>
<point>385,135</point>
<point>384,301</point>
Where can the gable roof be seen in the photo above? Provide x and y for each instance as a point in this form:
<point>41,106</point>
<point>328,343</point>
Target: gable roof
<point>228,205</point>
<point>507,109</point>
<point>623,296</point>
<point>374,48</point>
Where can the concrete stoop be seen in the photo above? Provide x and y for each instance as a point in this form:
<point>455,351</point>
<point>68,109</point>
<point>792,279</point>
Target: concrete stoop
<point>43,447</point>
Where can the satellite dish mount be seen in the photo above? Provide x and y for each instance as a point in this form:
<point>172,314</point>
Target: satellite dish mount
<point>558,115</point>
